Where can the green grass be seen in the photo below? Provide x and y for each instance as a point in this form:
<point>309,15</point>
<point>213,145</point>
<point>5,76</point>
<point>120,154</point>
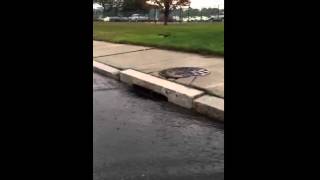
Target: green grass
<point>199,38</point>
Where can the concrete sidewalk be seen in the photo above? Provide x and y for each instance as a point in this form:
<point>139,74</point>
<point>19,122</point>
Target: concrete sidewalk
<point>151,61</point>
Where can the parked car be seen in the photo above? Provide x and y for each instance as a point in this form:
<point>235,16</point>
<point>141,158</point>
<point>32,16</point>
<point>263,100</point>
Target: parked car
<point>205,18</point>
<point>124,19</point>
<point>217,18</point>
<point>138,17</point>
<point>106,19</point>
<point>115,19</point>
<point>195,19</point>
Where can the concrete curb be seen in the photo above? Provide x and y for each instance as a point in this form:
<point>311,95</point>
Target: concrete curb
<point>176,93</point>
<point>210,106</point>
<point>106,70</point>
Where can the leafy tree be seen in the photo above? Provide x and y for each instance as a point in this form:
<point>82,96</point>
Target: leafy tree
<point>134,6</point>
<point>169,5</point>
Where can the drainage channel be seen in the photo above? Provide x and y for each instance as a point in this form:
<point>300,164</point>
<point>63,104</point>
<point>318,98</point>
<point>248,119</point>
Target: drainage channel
<point>147,93</point>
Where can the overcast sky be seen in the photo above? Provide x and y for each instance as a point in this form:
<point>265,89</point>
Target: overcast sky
<point>207,3</point>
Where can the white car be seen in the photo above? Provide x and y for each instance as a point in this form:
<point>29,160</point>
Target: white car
<point>205,18</point>
<point>106,19</point>
<point>217,18</point>
<point>138,17</point>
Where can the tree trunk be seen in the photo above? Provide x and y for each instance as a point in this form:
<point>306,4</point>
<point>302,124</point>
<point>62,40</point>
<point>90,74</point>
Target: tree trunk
<point>166,13</point>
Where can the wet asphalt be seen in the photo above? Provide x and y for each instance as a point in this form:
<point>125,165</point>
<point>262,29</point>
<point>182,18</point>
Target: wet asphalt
<point>142,137</point>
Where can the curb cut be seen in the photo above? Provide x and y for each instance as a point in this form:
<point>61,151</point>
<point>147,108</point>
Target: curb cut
<point>106,70</point>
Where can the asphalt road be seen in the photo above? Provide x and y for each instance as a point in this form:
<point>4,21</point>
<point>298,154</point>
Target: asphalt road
<point>137,137</point>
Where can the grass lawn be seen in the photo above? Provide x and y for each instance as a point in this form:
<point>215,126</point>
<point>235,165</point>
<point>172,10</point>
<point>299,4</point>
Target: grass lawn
<point>205,38</point>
